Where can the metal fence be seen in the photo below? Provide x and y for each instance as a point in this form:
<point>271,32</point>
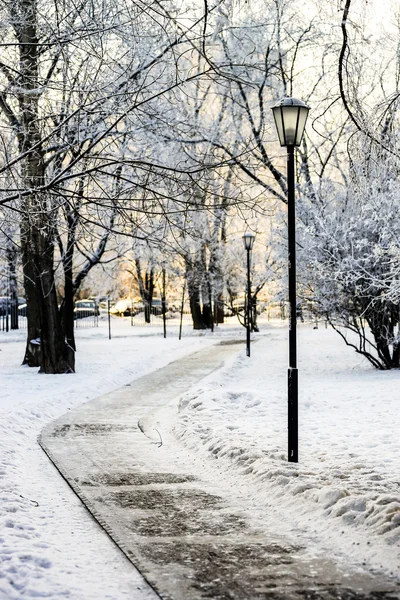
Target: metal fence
<point>154,317</point>
<point>85,319</point>
<point>10,317</point>
<point>12,320</point>
<point>5,324</point>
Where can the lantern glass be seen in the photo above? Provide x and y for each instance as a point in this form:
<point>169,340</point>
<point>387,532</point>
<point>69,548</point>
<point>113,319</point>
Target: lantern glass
<point>276,111</point>
<point>301,124</point>
<point>248,240</point>
<point>290,119</point>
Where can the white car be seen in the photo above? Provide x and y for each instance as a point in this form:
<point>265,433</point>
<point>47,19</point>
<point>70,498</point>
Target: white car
<point>126,307</point>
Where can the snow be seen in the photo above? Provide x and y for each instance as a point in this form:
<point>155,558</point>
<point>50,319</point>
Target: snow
<point>344,492</point>
<point>49,545</point>
<point>343,495</point>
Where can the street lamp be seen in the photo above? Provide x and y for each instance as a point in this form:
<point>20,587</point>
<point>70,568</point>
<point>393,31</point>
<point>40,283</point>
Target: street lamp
<point>290,119</point>
<point>248,241</point>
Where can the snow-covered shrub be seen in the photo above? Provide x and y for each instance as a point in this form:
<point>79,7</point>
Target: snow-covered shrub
<point>351,256</point>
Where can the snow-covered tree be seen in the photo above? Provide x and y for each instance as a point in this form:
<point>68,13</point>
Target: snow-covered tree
<point>350,251</point>
<point>72,78</point>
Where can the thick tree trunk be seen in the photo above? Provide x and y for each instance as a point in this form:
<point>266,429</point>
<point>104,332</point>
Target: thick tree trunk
<point>195,308</point>
<point>32,350</point>
<point>219,308</point>
<point>32,169</point>
<point>396,356</point>
<point>54,356</point>
<point>45,344</point>
<point>194,291</point>
<point>207,315</point>
<point>37,233</point>
<point>382,330</point>
<point>218,285</point>
<point>146,288</point>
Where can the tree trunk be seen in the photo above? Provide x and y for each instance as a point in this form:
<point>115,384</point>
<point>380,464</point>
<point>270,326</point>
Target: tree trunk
<point>37,232</point>
<point>54,355</point>
<point>194,291</point>
<point>11,254</point>
<point>396,356</point>
<point>219,308</point>
<point>164,302</point>
<point>207,315</point>
<point>253,316</point>
<point>32,350</point>
<point>67,308</point>
<point>148,294</point>
<point>195,308</point>
<point>146,288</point>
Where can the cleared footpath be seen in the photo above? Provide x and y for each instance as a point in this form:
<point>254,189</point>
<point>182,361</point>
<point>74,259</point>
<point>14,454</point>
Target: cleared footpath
<point>188,541</point>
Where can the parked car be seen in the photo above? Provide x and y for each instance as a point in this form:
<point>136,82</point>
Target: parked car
<point>101,301</point>
<point>5,304</point>
<point>127,307</point>
<point>228,312</point>
<point>175,307</point>
<point>22,310</point>
<point>85,308</point>
<point>156,306</point>
<point>122,308</point>
<point>238,306</point>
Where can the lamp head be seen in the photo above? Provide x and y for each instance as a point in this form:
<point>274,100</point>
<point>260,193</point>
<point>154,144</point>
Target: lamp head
<point>290,119</point>
<point>248,240</point>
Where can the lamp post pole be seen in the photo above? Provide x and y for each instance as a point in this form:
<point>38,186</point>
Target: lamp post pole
<point>290,119</point>
<point>109,318</point>
<point>248,241</point>
<point>293,452</point>
<point>248,304</point>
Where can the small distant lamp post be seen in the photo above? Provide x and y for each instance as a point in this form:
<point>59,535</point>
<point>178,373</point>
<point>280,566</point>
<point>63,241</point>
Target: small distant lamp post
<point>290,119</point>
<point>248,241</point>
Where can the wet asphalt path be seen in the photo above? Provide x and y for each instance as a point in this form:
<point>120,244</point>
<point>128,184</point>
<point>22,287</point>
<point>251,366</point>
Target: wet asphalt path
<point>187,540</point>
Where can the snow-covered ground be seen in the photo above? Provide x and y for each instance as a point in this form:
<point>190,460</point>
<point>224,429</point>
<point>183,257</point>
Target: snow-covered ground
<point>50,547</point>
<point>344,494</point>
<point>345,491</point>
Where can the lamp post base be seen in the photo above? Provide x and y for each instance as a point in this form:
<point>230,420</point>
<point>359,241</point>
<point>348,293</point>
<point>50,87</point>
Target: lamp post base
<point>293,442</point>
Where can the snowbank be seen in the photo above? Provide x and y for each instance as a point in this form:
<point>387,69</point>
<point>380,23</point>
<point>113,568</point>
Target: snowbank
<point>349,448</point>
<point>49,545</point>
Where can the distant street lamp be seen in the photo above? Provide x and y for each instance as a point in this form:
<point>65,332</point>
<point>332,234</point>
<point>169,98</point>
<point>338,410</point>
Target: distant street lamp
<point>290,119</point>
<point>248,241</point>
